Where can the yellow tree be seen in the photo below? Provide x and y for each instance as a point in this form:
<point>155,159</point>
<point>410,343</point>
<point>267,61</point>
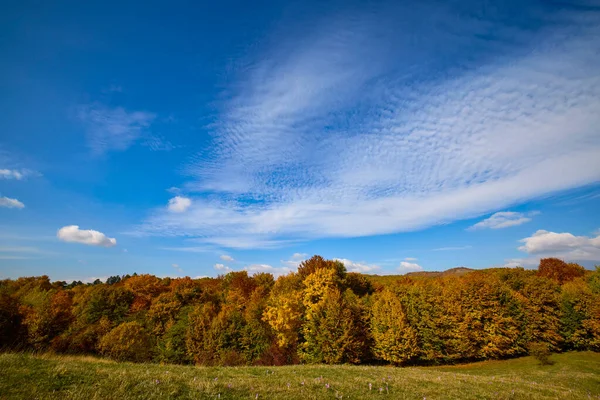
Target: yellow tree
<point>284,311</point>
<point>394,339</point>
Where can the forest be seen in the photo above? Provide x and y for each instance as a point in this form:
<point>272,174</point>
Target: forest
<point>319,314</point>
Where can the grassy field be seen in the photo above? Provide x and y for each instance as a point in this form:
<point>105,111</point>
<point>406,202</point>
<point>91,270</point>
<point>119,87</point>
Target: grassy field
<point>22,376</point>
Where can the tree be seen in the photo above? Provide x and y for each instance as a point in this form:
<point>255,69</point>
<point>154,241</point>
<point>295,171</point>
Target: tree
<point>10,322</point>
<point>333,332</point>
<point>127,342</point>
<point>144,288</point>
<point>284,311</point>
<point>394,339</point>
<point>560,271</point>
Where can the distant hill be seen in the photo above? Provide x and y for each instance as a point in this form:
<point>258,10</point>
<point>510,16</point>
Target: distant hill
<point>432,274</point>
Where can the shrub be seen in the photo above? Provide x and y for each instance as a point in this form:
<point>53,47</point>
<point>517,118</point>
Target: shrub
<point>127,342</point>
<point>541,352</point>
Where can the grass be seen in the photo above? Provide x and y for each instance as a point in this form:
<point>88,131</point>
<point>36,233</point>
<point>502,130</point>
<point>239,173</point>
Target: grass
<point>574,375</point>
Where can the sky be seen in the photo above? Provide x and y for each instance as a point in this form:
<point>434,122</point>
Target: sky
<point>197,138</point>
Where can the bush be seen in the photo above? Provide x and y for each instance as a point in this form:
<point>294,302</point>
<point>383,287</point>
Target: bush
<point>541,352</point>
<point>127,342</point>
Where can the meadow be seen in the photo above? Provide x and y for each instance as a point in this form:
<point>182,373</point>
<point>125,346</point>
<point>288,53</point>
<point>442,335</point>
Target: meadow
<point>574,375</point>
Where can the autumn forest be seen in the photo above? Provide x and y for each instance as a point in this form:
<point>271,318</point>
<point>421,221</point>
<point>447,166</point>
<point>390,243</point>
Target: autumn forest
<point>319,314</point>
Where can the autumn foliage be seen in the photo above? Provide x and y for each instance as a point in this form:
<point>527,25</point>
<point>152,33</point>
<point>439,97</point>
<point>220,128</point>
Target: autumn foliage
<point>319,314</point>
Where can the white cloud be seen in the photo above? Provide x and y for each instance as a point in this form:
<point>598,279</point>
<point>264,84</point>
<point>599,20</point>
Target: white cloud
<point>361,267</point>
<point>222,267</point>
<point>410,259</point>
<point>406,266</point>
<point>562,245</point>
<point>17,174</point>
<point>110,128</point>
<point>225,257</point>
<point>10,203</point>
<point>73,234</point>
<point>331,134</point>
<point>179,204</point>
<point>504,219</point>
<point>257,268</point>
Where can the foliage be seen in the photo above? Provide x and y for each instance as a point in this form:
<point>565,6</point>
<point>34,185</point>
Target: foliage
<point>559,270</point>
<point>127,342</point>
<point>394,339</point>
<point>319,314</point>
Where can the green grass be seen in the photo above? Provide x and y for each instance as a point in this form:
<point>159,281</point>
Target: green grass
<point>23,376</point>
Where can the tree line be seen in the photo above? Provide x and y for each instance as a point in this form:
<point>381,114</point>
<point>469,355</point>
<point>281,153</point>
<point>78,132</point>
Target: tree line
<point>319,314</point>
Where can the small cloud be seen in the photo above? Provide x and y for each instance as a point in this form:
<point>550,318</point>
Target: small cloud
<point>406,266</point>
<point>10,203</point>
<point>225,257</point>
<point>73,234</point>
<point>179,204</point>
<point>410,259</point>
<point>504,219</point>
<point>222,267</point>
<point>174,190</point>
<point>453,248</point>
<point>361,267</point>
<point>125,251</point>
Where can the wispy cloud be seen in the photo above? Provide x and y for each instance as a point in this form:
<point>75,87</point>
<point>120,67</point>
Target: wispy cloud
<point>294,260</point>
<point>177,268</point>
<point>504,219</point>
<point>112,128</point>
<point>19,249</point>
<point>334,135</point>
<point>157,143</point>
<point>453,248</point>
<point>18,174</point>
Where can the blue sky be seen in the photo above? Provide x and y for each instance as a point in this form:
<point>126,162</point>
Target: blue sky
<point>202,137</point>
